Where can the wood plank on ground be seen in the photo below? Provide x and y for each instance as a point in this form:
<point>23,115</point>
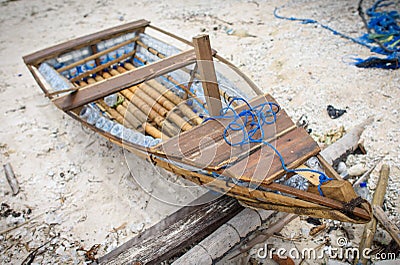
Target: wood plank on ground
<point>187,226</point>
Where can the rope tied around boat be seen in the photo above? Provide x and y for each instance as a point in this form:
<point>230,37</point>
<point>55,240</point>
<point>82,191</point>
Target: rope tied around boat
<point>257,116</point>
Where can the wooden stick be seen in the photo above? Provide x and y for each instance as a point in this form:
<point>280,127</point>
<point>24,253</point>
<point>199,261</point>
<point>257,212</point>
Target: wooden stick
<point>113,113</point>
<point>392,229</point>
<point>370,228</point>
<point>176,83</point>
<point>366,174</point>
<point>179,121</point>
<point>153,131</point>
<point>103,66</point>
<point>97,55</point>
<point>168,94</point>
<point>133,114</point>
<point>11,179</point>
<point>128,117</point>
<point>138,114</point>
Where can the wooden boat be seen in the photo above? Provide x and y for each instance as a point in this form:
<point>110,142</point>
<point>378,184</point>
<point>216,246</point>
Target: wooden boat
<point>151,92</point>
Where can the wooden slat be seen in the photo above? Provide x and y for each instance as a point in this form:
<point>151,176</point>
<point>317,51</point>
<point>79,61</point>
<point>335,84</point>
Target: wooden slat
<point>162,241</point>
<point>264,165</point>
<point>206,147</point>
<point>207,72</point>
<point>40,56</point>
<point>116,84</point>
<point>186,143</point>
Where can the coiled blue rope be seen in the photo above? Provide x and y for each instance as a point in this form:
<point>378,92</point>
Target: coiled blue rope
<point>258,116</point>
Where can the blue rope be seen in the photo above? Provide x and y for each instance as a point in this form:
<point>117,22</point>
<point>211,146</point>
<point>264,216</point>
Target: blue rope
<point>386,28</point>
<point>258,116</point>
<point>312,21</point>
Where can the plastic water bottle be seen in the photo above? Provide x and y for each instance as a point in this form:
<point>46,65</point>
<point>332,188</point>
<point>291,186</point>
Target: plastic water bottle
<point>113,54</point>
<point>111,100</point>
<point>90,65</point>
<point>93,117</point>
<point>298,182</point>
<point>107,126</point>
<point>101,47</point>
<point>100,122</point>
<point>117,130</point>
<point>362,191</point>
<point>156,141</point>
<point>85,112</point>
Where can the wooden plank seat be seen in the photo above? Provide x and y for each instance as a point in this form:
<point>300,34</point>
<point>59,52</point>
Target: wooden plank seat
<point>205,147</point>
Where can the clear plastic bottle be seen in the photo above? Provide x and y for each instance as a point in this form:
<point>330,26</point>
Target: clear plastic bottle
<point>101,47</point>
<point>117,130</point>
<point>111,100</point>
<point>137,138</point>
<point>298,182</point>
<point>363,191</point>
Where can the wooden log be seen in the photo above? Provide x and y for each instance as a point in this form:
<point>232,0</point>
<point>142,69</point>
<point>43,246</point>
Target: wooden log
<point>225,237</point>
<point>389,226</point>
<point>161,242</point>
<point>132,114</point>
<point>11,179</point>
<point>207,73</point>
<point>263,236</point>
<point>370,228</point>
<point>135,111</point>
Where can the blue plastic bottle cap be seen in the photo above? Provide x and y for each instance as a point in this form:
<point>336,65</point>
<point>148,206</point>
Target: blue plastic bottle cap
<point>363,184</point>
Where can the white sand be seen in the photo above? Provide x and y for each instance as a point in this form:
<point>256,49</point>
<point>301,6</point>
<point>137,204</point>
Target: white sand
<point>301,65</point>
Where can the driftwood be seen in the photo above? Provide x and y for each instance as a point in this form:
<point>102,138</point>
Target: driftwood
<point>392,229</point>
<point>370,228</point>
<point>346,144</point>
<point>11,179</point>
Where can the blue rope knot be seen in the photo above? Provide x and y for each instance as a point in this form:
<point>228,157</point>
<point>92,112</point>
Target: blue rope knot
<point>322,179</point>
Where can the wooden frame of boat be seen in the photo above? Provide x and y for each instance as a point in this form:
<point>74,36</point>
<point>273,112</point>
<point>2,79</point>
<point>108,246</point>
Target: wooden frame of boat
<point>150,108</point>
